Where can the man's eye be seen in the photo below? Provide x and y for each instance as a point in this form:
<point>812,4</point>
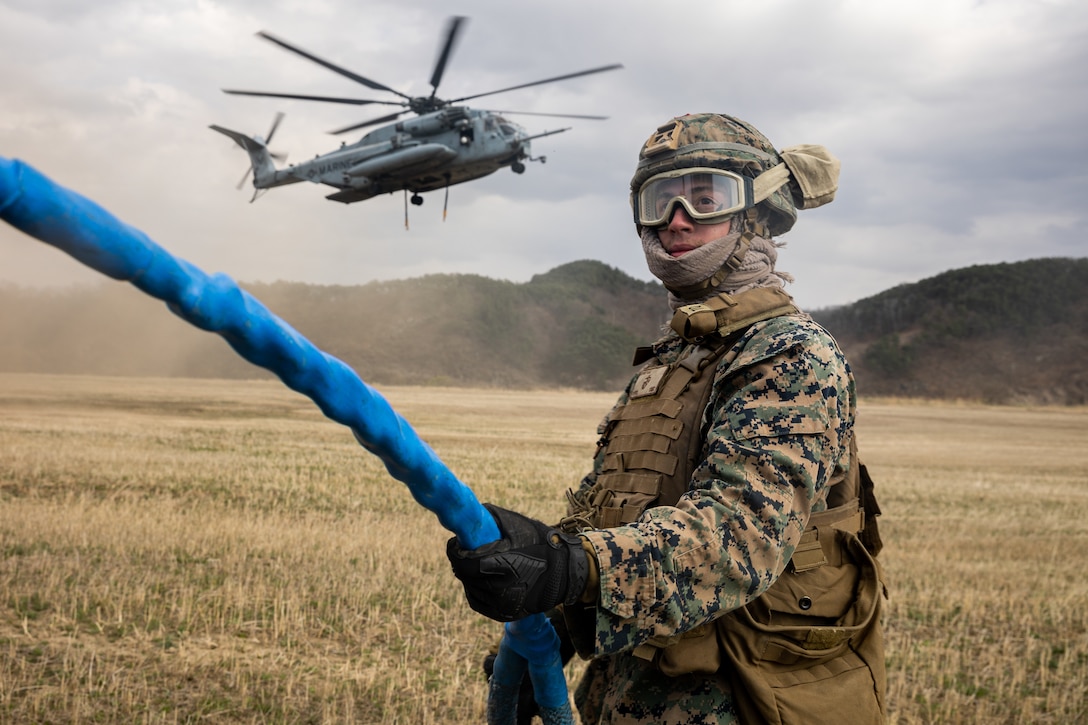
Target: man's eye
<point>706,203</point>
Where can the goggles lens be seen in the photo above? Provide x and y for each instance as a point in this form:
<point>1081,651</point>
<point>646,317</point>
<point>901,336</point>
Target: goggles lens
<point>707,195</point>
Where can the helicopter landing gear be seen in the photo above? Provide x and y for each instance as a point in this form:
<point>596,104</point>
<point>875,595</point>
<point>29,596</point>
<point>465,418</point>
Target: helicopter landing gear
<point>517,167</point>
<point>417,200</point>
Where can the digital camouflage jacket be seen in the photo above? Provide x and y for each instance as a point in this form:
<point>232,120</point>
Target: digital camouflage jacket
<point>779,421</point>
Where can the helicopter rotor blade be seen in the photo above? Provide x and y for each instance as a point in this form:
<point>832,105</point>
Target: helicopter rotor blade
<point>552,115</point>
<point>371,122</point>
<point>244,177</point>
<point>452,33</point>
<point>326,99</point>
<point>591,71</point>
<point>331,66</point>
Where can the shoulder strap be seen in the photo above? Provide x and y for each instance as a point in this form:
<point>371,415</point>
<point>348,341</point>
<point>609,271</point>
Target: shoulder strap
<point>870,534</point>
<point>724,314</point>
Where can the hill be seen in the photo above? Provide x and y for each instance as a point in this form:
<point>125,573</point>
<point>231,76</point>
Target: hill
<point>574,326</point>
<point>1000,333</point>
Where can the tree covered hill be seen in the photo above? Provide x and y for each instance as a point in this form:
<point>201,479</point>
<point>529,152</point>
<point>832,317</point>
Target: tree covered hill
<point>1015,332</point>
<point>575,326</point>
<point>1001,333</point>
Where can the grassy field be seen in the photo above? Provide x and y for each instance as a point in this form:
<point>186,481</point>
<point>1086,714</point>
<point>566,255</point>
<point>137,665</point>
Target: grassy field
<point>211,551</point>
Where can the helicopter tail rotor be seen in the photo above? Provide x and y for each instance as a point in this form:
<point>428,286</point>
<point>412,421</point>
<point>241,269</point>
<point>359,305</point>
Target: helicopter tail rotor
<point>261,159</point>
<point>275,124</point>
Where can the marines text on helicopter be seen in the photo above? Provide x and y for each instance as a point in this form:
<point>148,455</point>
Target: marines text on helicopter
<point>445,144</point>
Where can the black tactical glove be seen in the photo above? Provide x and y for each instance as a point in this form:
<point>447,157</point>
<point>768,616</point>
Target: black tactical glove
<point>531,569</point>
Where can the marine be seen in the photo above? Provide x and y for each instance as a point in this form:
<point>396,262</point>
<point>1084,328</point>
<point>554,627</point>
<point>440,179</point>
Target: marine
<point>717,564</point>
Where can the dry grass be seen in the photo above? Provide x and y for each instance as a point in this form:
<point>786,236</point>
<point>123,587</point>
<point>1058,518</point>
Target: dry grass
<point>184,551</point>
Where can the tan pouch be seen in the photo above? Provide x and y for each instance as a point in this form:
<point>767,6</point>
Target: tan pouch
<point>695,651</point>
<point>810,650</point>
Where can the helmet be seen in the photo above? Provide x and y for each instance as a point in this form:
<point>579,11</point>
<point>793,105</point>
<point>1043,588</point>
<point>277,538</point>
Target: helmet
<point>716,141</point>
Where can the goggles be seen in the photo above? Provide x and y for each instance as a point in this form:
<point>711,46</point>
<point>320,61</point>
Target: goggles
<point>708,196</point>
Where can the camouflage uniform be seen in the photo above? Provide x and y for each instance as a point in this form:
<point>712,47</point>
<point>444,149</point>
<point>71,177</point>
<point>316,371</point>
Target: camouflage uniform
<point>779,422</point>
<point>735,470</point>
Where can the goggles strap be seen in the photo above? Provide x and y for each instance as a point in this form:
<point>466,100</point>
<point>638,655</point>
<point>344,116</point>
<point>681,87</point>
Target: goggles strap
<point>732,264</point>
<point>769,181</point>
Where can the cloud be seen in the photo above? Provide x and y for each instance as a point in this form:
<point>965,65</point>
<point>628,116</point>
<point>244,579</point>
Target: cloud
<point>959,125</point>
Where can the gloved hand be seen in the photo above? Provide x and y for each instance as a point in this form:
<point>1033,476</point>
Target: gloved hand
<point>531,569</point>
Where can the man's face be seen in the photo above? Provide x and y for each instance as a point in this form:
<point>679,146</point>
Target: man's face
<point>681,234</point>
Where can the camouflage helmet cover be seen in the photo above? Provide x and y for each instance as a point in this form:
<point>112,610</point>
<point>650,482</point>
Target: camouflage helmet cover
<point>717,141</point>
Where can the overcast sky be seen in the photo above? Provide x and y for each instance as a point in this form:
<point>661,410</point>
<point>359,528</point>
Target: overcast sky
<point>960,124</point>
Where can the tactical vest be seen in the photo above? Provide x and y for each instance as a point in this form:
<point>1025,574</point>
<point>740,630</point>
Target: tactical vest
<point>653,443</point>
<point>651,447</point>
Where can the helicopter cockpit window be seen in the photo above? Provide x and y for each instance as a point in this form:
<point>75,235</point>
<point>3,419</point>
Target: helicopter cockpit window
<point>505,127</point>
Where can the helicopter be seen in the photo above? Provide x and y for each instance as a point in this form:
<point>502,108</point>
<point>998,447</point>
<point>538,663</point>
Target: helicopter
<point>444,144</point>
